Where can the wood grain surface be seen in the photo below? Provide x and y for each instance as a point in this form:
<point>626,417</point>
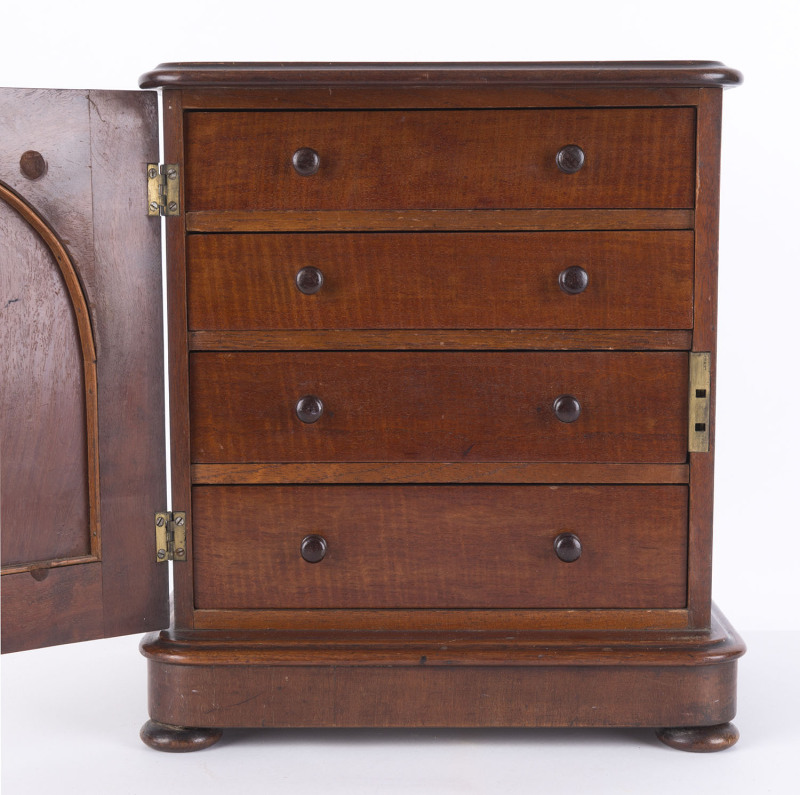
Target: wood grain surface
<point>44,464</point>
<point>94,145</point>
<point>435,220</point>
<point>455,406</point>
<point>573,74</point>
<point>559,678</point>
<point>63,604</point>
<point>468,159</point>
<point>513,472</point>
<point>337,696</point>
<point>637,280</point>
<point>438,340</point>
<point>439,546</point>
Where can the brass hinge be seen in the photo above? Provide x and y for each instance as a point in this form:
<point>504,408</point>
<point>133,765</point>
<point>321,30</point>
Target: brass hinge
<point>163,189</point>
<point>699,401</point>
<point>170,536</point>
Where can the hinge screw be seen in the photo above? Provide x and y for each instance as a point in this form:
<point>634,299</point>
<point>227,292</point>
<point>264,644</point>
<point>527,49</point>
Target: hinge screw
<point>161,554</point>
<point>152,173</point>
<point>153,205</point>
<point>172,173</point>
<point>173,206</point>
<point>179,520</point>
<point>180,552</point>
<point>159,521</point>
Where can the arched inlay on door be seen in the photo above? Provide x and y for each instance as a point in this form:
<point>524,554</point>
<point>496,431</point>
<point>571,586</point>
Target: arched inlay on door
<point>49,475</point>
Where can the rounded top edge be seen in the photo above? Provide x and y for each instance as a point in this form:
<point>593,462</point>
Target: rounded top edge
<point>605,73</point>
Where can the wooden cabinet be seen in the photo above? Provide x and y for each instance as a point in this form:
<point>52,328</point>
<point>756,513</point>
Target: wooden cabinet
<point>441,361</point>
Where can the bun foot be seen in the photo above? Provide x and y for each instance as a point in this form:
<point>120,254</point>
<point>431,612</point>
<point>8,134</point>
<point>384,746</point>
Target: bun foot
<point>177,739</point>
<point>700,739</point>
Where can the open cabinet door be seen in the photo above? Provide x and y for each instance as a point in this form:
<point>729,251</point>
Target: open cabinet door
<point>82,459</point>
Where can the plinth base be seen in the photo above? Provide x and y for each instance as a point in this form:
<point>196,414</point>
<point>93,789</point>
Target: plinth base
<point>216,679</point>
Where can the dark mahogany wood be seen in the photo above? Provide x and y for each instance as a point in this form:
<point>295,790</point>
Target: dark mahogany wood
<point>440,546</point>
<point>427,340</point>
<point>518,280</point>
<point>576,73</point>
<point>314,648</point>
<point>514,679</point>
<point>457,406</point>
<point>48,405</point>
<point>701,504</point>
<point>442,620</point>
<point>94,144</point>
<point>177,739</point>
<point>72,593</point>
<point>700,739</point>
<point>378,472</point>
<point>434,220</point>
<point>178,358</point>
<point>395,160</point>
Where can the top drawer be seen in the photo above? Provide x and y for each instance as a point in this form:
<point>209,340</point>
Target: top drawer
<point>454,159</point>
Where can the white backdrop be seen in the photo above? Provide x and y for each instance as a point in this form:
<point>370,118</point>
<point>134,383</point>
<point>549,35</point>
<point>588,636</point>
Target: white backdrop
<point>94,44</point>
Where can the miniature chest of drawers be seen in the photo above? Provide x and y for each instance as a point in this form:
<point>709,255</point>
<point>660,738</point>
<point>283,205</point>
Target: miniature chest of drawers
<point>441,369</point>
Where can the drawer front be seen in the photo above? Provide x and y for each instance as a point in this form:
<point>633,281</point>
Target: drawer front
<point>454,159</point>
<point>441,406</point>
<point>440,546</point>
<point>568,280</point>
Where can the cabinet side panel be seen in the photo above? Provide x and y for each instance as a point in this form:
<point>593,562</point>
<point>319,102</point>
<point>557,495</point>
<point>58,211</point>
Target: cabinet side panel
<point>130,359</point>
<point>178,359</point>
<point>701,472</point>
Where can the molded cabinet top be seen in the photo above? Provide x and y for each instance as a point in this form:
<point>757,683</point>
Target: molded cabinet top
<point>605,73</point>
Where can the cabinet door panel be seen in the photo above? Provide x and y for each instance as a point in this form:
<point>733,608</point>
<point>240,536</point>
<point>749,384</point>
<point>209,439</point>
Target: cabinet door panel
<point>82,430</point>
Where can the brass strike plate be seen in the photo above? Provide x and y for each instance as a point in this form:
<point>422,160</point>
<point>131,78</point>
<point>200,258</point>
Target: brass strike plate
<point>163,189</point>
<point>699,402</point>
<point>170,536</point>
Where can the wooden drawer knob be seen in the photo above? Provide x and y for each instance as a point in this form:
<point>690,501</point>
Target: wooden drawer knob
<point>313,548</point>
<point>309,280</point>
<point>306,161</point>
<point>567,408</point>
<point>570,159</point>
<point>567,547</point>
<point>32,165</point>
<point>309,408</point>
<point>573,280</point>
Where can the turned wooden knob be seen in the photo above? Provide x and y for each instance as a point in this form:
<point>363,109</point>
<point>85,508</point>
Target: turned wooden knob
<point>309,280</point>
<point>313,548</point>
<point>570,159</point>
<point>573,280</point>
<point>309,408</point>
<point>567,408</point>
<point>567,547</point>
<point>306,161</point>
<point>32,165</point>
